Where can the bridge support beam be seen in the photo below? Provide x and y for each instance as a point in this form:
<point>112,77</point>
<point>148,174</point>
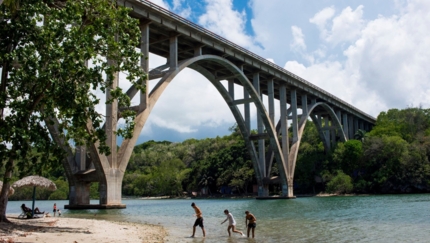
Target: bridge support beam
<point>284,136</point>
<point>263,190</point>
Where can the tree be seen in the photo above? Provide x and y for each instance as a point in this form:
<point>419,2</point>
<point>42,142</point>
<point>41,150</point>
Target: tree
<point>360,134</point>
<point>54,55</point>
<point>341,183</point>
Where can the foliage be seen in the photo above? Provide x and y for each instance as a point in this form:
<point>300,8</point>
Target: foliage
<point>309,160</point>
<point>341,183</point>
<point>45,46</point>
<point>347,156</point>
<point>164,168</point>
<point>380,163</point>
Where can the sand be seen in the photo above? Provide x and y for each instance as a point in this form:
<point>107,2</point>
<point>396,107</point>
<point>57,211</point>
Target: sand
<point>74,230</point>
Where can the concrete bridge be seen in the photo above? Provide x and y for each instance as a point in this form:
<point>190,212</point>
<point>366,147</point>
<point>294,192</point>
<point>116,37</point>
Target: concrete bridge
<point>187,45</point>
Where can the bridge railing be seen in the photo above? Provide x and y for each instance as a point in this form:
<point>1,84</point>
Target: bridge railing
<point>247,52</point>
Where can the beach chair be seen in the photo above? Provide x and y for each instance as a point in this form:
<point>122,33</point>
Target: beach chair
<point>39,215</point>
<point>23,214</point>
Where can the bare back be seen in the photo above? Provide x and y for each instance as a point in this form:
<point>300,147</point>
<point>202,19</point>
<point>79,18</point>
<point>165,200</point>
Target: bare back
<point>198,212</point>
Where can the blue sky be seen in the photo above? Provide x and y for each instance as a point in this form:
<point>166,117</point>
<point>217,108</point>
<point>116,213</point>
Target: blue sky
<point>374,54</point>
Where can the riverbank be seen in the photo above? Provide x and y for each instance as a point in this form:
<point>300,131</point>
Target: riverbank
<point>61,229</point>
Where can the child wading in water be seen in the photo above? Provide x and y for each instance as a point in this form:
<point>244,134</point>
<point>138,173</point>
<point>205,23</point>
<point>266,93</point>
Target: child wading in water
<point>250,222</point>
<point>231,223</point>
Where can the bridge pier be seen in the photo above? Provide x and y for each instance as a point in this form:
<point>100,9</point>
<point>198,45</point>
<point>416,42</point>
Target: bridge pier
<point>263,190</point>
<point>111,191</point>
<point>79,194</point>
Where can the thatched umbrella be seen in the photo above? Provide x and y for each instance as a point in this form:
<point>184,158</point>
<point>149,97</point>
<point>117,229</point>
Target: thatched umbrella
<point>11,190</point>
<point>35,181</point>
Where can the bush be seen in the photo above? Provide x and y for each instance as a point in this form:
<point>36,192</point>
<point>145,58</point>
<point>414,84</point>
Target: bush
<point>58,195</point>
<point>341,183</point>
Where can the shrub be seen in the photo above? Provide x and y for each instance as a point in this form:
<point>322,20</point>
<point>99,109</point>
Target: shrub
<point>58,195</point>
<point>341,183</point>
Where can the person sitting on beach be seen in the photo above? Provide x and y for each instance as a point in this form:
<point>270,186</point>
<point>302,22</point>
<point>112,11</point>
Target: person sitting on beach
<point>231,223</point>
<point>37,211</point>
<point>25,209</point>
<point>28,210</point>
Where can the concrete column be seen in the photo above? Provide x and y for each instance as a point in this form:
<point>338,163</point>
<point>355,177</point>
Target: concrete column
<point>313,101</point>
<point>327,130</point>
<point>351,126</point>
<point>247,111</point>
<point>144,62</point>
<point>294,115</point>
<point>355,125</point>
<point>332,133</point>
<point>111,121</point>
<point>79,194</point>
<point>197,51</point>
<point>110,193</point>
<point>284,131</point>
<point>261,143</point>
<point>231,88</point>
<point>81,157</point>
<point>345,125</point>
<point>304,105</point>
<point>339,116</point>
<point>271,95</point>
<point>173,52</point>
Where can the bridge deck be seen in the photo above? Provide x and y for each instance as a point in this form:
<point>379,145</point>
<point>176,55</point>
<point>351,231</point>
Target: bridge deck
<point>165,24</point>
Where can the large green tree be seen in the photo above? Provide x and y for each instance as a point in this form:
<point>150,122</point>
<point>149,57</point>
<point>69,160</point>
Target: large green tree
<point>54,55</point>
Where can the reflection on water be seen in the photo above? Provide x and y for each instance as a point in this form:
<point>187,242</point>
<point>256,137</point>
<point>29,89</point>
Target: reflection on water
<point>393,218</point>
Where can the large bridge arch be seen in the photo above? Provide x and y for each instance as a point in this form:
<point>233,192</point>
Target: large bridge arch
<point>194,63</point>
<point>293,151</point>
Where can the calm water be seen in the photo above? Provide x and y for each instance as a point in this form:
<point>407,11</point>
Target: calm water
<point>393,218</point>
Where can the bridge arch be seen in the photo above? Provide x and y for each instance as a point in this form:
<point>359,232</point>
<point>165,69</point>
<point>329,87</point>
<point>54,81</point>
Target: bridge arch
<point>193,63</point>
<point>292,156</point>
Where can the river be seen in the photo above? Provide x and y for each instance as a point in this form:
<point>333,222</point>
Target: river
<point>380,218</point>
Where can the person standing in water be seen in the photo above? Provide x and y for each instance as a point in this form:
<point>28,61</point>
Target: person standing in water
<point>231,223</point>
<point>55,209</point>
<point>199,220</point>
<point>250,222</point>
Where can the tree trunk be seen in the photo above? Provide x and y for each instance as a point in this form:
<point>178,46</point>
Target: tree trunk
<point>4,194</point>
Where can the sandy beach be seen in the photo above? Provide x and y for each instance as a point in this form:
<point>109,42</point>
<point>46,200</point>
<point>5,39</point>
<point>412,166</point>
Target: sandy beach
<point>74,230</point>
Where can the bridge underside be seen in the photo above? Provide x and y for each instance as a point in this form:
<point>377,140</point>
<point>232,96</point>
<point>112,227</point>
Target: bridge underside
<point>187,46</point>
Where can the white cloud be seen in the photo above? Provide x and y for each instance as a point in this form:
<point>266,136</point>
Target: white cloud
<point>320,19</point>
<point>345,27</point>
<point>160,3</point>
<point>178,7</point>
<point>386,66</point>
<point>298,42</point>
<point>190,101</point>
<point>223,20</point>
<point>392,55</point>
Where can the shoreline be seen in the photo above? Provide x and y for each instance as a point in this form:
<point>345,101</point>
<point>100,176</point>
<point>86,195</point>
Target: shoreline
<point>322,194</point>
<point>63,229</point>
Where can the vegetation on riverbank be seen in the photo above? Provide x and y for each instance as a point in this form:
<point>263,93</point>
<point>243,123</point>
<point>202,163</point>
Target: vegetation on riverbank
<point>392,158</point>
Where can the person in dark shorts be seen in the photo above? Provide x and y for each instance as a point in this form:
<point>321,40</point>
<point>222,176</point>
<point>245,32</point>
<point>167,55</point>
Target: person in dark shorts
<point>250,222</point>
<point>199,220</point>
